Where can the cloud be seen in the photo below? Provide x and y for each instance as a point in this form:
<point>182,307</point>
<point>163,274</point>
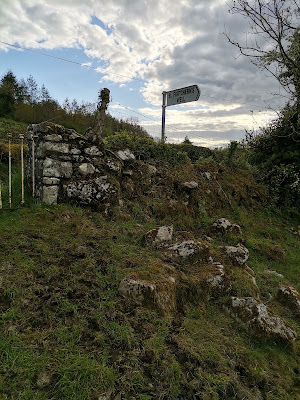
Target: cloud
<point>163,43</point>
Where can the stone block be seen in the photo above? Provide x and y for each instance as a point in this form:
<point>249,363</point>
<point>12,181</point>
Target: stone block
<point>86,169</point>
<point>93,151</point>
<point>51,181</point>
<point>57,169</point>
<point>53,138</point>
<point>52,149</point>
<point>50,194</point>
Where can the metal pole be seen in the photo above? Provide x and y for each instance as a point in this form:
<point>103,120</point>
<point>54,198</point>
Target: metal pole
<point>163,118</point>
<point>0,195</point>
<point>22,167</point>
<point>9,168</point>
<point>33,165</point>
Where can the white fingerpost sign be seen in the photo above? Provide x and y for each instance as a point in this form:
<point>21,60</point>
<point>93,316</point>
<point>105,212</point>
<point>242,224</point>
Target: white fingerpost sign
<point>177,96</point>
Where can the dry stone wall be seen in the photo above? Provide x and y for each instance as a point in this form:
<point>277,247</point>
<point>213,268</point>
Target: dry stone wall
<point>72,167</point>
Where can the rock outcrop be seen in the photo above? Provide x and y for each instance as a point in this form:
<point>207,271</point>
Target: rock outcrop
<point>222,225</point>
<point>160,296</point>
<point>259,320</point>
<point>290,297</point>
<point>188,251</point>
<point>159,236</point>
<point>190,185</point>
<point>216,279</point>
<point>238,255</point>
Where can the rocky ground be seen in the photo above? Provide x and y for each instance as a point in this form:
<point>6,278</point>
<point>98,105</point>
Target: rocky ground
<point>186,286</point>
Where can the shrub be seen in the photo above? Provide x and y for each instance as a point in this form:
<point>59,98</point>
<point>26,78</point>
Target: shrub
<point>275,153</point>
<point>145,148</point>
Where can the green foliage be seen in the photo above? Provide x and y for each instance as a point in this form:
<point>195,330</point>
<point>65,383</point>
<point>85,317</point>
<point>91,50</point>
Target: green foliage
<point>275,153</point>
<point>145,148</point>
<point>232,149</point>
<point>13,127</point>
<point>194,152</point>
<point>10,94</point>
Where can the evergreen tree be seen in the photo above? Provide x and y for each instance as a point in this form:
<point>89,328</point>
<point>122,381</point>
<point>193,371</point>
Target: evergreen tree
<point>33,90</point>
<point>45,95</point>
<point>9,94</point>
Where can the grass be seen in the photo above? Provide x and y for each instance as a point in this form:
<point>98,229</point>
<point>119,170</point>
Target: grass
<point>13,127</point>
<point>63,320</point>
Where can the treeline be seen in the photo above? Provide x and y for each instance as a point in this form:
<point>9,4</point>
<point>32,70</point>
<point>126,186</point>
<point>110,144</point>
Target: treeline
<point>24,101</point>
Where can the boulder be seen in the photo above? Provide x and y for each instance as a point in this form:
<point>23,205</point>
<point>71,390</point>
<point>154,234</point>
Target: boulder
<point>189,185</point>
<point>126,155</point>
<point>187,251</point>
<point>290,297</point>
<point>209,175</point>
<point>159,296</point>
<point>237,254</point>
<point>259,320</point>
<point>159,236</point>
<point>222,225</point>
<point>217,281</point>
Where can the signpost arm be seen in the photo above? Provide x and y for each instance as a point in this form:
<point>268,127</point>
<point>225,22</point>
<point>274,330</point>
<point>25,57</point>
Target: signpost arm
<point>163,118</point>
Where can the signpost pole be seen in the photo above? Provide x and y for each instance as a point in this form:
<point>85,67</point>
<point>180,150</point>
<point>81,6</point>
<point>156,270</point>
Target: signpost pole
<point>9,168</point>
<point>0,195</point>
<point>22,167</point>
<point>33,165</point>
<point>163,118</point>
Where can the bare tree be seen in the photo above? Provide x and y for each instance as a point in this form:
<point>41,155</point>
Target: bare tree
<point>272,41</point>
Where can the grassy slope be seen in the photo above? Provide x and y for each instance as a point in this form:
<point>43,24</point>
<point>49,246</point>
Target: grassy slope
<point>13,127</point>
<point>62,317</point>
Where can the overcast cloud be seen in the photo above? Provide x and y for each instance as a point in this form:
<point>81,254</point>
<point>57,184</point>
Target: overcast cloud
<point>169,44</point>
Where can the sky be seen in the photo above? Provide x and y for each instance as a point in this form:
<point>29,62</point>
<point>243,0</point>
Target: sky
<point>138,49</point>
